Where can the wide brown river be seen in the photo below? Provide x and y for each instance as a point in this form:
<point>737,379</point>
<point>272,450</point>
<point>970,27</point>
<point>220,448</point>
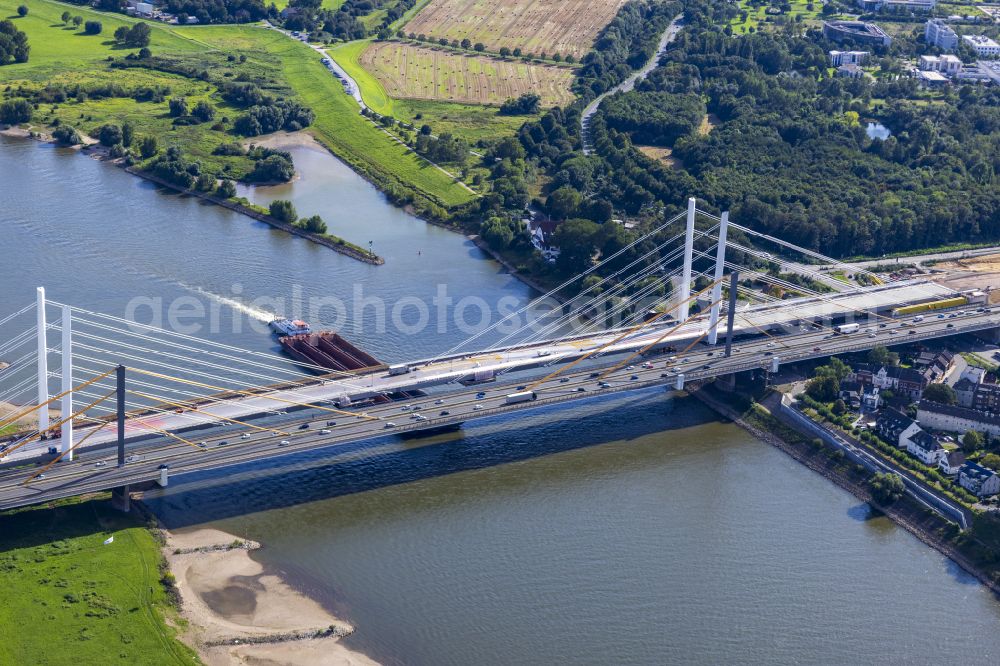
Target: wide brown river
<point>633,529</point>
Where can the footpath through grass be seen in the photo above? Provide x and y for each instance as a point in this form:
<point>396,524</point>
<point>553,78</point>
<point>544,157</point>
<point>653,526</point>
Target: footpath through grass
<point>69,598</point>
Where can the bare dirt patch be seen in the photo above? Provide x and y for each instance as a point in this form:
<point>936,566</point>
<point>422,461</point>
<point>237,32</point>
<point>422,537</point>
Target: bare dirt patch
<point>567,27</point>
<point>661,154</point>
<point>407,71</point>
<point>973,273</point>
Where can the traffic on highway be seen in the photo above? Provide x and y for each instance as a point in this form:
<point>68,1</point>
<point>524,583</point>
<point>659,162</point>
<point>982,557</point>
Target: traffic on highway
<point>283,432</point>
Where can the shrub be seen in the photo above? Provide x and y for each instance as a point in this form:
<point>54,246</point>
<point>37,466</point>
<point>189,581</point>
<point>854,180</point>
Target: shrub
<point>109,135</point>
<point>66,135</point>
<point>283,211</point>
<point>15,111</point>
<point>93,27</point>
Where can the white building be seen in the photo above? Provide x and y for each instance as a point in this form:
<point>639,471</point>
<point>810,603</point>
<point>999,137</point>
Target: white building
<point>947,64</point>
<point>838,58</point>
<point>952,418</point>
<point>940,34</point>
<point>925,448</point>
<point>978,480</point>
<point>951,462</point>
<point>144,9</point>
<point>984,46</point>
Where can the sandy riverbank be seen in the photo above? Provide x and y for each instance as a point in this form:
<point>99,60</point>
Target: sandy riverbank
<point>240,614</point>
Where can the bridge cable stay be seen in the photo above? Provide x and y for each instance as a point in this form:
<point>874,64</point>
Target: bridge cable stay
<point>251,394</point>
<point>643,274</point>
<point>614,341</point>
<point>170,389</point>
<point>178,346</point>
<point>38,434</point>
<point>584,294</point>
<point>136,348</point>
<point>140,410</point>
<point>141,425</point>
<point>189,338</point>
<point>76,445</point>
<point>34,408</point>
<point>26,308</point>
<point>596,323</point>
<point>559,288</point>
<point>182,405</point>
<point>655,342</point>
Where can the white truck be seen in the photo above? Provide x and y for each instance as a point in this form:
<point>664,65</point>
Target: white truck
<point>400,369</point>
<point>523,396</point>
<point>845,329</point>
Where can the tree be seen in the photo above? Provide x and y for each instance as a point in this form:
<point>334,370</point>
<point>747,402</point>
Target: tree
<point>78,21</point>
<point>109,135</point>
<point>22,10</point>
<point>144,53</point>
<point>227,189</point>
<point>992,461</point>
<point>93,27</point>
<point>528,103</point>
<point>880,355</point>
<point>313,224</point>
<point>480,47</point>
<point>563,202</point>
<point>497,233</point>
<point>13,43</point>
<point>283,211</point>
<point>823,388</point>
<point>15,111</point>
<point>466,43</point>
<point>886,488</point>
<point>839,407</point>
<point>121,33</point>
<point>940,393</point>
<point>504,52</point>
<point>148,146</point>
<point>576,240</point>
<point>972,441</point>
<point>135,37</point>
<point>128,133</point>
<point>203,111</point>
<point>66,135</point>
<point>66,16</point>
<point>178,106</point>
<point>205,182</point>
<point>425,130</point>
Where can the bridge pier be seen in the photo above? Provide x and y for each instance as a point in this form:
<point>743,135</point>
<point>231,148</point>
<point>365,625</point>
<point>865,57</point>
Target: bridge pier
<point>121,499</point>
<point>726,383</point>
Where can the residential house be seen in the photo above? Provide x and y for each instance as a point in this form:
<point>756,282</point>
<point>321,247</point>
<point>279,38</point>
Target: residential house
<point>953,418</point>
<point>925,448</point>
<point>965,389</point>
<point>951,462</point>
<point>895,427</point>
<point>978,480</point>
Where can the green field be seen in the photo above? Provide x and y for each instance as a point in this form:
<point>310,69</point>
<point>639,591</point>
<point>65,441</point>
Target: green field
<point>759,19</point>
<point>338,124</point>
<point>471,122</point>
<point>411,71</point>
<point>278,64</point>
<point>70,599</point>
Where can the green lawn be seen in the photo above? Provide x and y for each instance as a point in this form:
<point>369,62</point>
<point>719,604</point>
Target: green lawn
<point>375,96</point>
<point>70,599</point>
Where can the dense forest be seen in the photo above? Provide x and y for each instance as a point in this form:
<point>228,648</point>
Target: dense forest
<point>787,153</point>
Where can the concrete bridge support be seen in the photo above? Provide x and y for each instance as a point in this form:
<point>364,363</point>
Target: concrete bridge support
<point>121,499</point>
<point>43,363</point>
<point>66,436</point>
<point>726,383</point>
<point>685,287</point>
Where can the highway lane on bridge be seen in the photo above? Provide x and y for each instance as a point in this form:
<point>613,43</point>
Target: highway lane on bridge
<point>448,369</point>
<point>95,470</point>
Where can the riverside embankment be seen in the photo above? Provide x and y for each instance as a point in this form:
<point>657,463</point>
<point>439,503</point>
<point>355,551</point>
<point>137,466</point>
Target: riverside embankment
<point>769,423</point>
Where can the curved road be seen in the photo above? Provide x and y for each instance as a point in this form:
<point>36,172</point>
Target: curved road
<point>628,84</point>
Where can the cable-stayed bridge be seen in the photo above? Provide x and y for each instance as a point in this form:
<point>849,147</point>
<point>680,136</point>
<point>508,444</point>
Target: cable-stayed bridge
<point>692,299</point>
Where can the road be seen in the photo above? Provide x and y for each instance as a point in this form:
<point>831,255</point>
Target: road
<point>304,430</point>
<point>629,84</point>
<point>449,369</point>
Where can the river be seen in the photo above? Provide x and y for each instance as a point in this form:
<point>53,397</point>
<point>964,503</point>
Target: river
<point>634,529</point>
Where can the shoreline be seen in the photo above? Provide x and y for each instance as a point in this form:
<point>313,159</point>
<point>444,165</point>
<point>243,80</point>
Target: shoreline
<point>238,612</point>
<point>925,531</point>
